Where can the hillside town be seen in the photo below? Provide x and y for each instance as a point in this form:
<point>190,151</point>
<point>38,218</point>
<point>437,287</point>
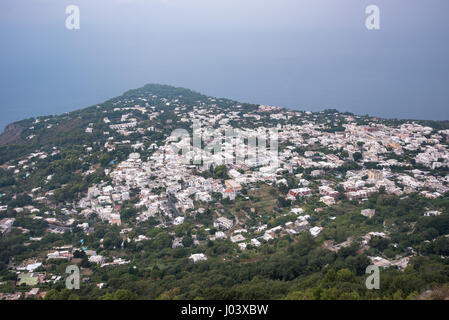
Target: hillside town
<point>255,175</point>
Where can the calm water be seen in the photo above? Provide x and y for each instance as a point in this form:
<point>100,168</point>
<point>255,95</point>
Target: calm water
<point>301,54</point>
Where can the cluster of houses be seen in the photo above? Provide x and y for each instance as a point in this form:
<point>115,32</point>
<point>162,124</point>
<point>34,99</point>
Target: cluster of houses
<point>171,186</point>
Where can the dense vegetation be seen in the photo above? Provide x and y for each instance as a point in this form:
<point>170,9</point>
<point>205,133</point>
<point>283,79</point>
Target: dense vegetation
<point>289,267</point>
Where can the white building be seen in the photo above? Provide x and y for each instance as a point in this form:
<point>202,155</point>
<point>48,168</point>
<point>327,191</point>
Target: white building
<point>198,257</point>
<point>255,242</point>
<point>315,231</point>
<point>223,223</point>
<point>178,221</point>
<point>96,259</point>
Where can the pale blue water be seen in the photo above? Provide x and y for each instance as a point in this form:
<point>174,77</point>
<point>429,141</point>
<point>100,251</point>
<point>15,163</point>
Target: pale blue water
<point>305,54</point>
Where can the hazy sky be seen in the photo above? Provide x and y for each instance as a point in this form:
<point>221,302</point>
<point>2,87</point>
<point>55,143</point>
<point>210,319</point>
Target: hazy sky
<point>305,54</point>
